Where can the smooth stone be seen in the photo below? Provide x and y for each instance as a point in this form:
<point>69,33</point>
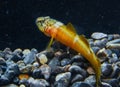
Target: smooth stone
<point>100,43</point>
<point>74,69</point>
<point>22,85</point>
<point>106,69</point>
<point>2,61</point>
<point>45,71</point>
<point>95,49</point>
<point>39,83</point>
<point>16,57</point>
<point>62,79</point>
<point>77,77</point>
<point>98,35</point>
<point>10,74</point>
<point>113,41</point>
<point>42,58</point>
<point>81,84</point>
<point>24,82</point>
<point>102,53</point>
<point>37,73</point>
<point>17,51</point>
<point>65,62</point>
<point>10,85</point>
<point>106,84</point>
<point>114,58</point>
<point>14,67</point>
<point>4,80</point>
<point>54,63</point>
<point>90,80</point>
<point>114,82</point>
<point>116,71</point>
<point>27,69</point>
<point>78,58</point>
<point>30,57</point>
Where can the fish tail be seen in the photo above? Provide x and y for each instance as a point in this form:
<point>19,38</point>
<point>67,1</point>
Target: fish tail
<point>98,74</point>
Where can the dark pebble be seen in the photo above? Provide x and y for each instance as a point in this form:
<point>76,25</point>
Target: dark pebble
<point>16,57</point>
<point>45,71</point>
<point>2,61</point>
<point>65,62</point>
<point>76,78</point>
<point>81,84</point>
<point>116,71</point>
<point>62,80</point>
<point>90,80</point>
<point>4,80</point>
<point>77,70</point>
<point>106,69</point>
<point>37,74</point>
<point>25,82</point>
<point>95,49</point>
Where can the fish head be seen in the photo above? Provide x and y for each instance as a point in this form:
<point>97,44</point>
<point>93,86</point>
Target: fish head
<point>44,23</point>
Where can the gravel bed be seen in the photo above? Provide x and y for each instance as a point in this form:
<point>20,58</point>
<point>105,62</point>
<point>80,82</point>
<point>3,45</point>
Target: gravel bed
<point>61,66</point>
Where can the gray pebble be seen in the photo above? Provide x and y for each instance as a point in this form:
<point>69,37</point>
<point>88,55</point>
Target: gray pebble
<point>62,79</point>
<point>65,61</point>
<point>106,84</point>
<point>106,69</point>
<point>90,80</point>
<point>30,57</point>
<point>77,77</point>
<point>45,71</point>
<point>4,80</point>
<point>98,35</point>
<point>81,84</point>
<point>10,85</point>
<point>39,83</point>
<point>77,70</point>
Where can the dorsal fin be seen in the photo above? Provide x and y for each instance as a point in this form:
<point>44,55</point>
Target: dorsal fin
<point>71,27</point>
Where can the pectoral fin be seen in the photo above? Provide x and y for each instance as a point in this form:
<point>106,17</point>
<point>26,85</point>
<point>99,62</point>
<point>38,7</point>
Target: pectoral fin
<point>50,43</point>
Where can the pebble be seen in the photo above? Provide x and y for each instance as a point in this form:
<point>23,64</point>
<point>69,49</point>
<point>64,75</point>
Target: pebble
<point>102,53</point>
<point>45,71</point>
<point>39,83</point>
<point>61,66</point>
<point>76,78</point>
<point>10,85</point>
<point>2,61</point>
<point>30,57</point>
<point>90,80</point>
<point>42,58</point>
<point>81,84</point>
<point>77,70</point>
<point>106,69</point>
<point>4,80</point>
<point>37,73</point>
<point>65,62</point>
<point>62,79</point>
<point>98,35</point>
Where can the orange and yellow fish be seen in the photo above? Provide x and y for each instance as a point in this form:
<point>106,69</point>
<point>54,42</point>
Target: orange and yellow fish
<point>67,35</point>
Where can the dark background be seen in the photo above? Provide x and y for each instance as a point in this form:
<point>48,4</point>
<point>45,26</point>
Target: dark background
<point>17,19</point>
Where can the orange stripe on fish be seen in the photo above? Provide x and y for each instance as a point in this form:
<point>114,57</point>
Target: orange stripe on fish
<point>67,35</point>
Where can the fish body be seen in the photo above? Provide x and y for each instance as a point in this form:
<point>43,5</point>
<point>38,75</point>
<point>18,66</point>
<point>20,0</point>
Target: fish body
<point>67,35</point>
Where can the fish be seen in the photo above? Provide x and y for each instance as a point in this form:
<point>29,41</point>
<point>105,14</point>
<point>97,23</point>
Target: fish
<point>67,35</point>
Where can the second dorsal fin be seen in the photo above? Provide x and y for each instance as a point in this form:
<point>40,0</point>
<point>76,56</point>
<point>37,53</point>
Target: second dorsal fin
<point>82,37</point>
<point>71,27</point>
